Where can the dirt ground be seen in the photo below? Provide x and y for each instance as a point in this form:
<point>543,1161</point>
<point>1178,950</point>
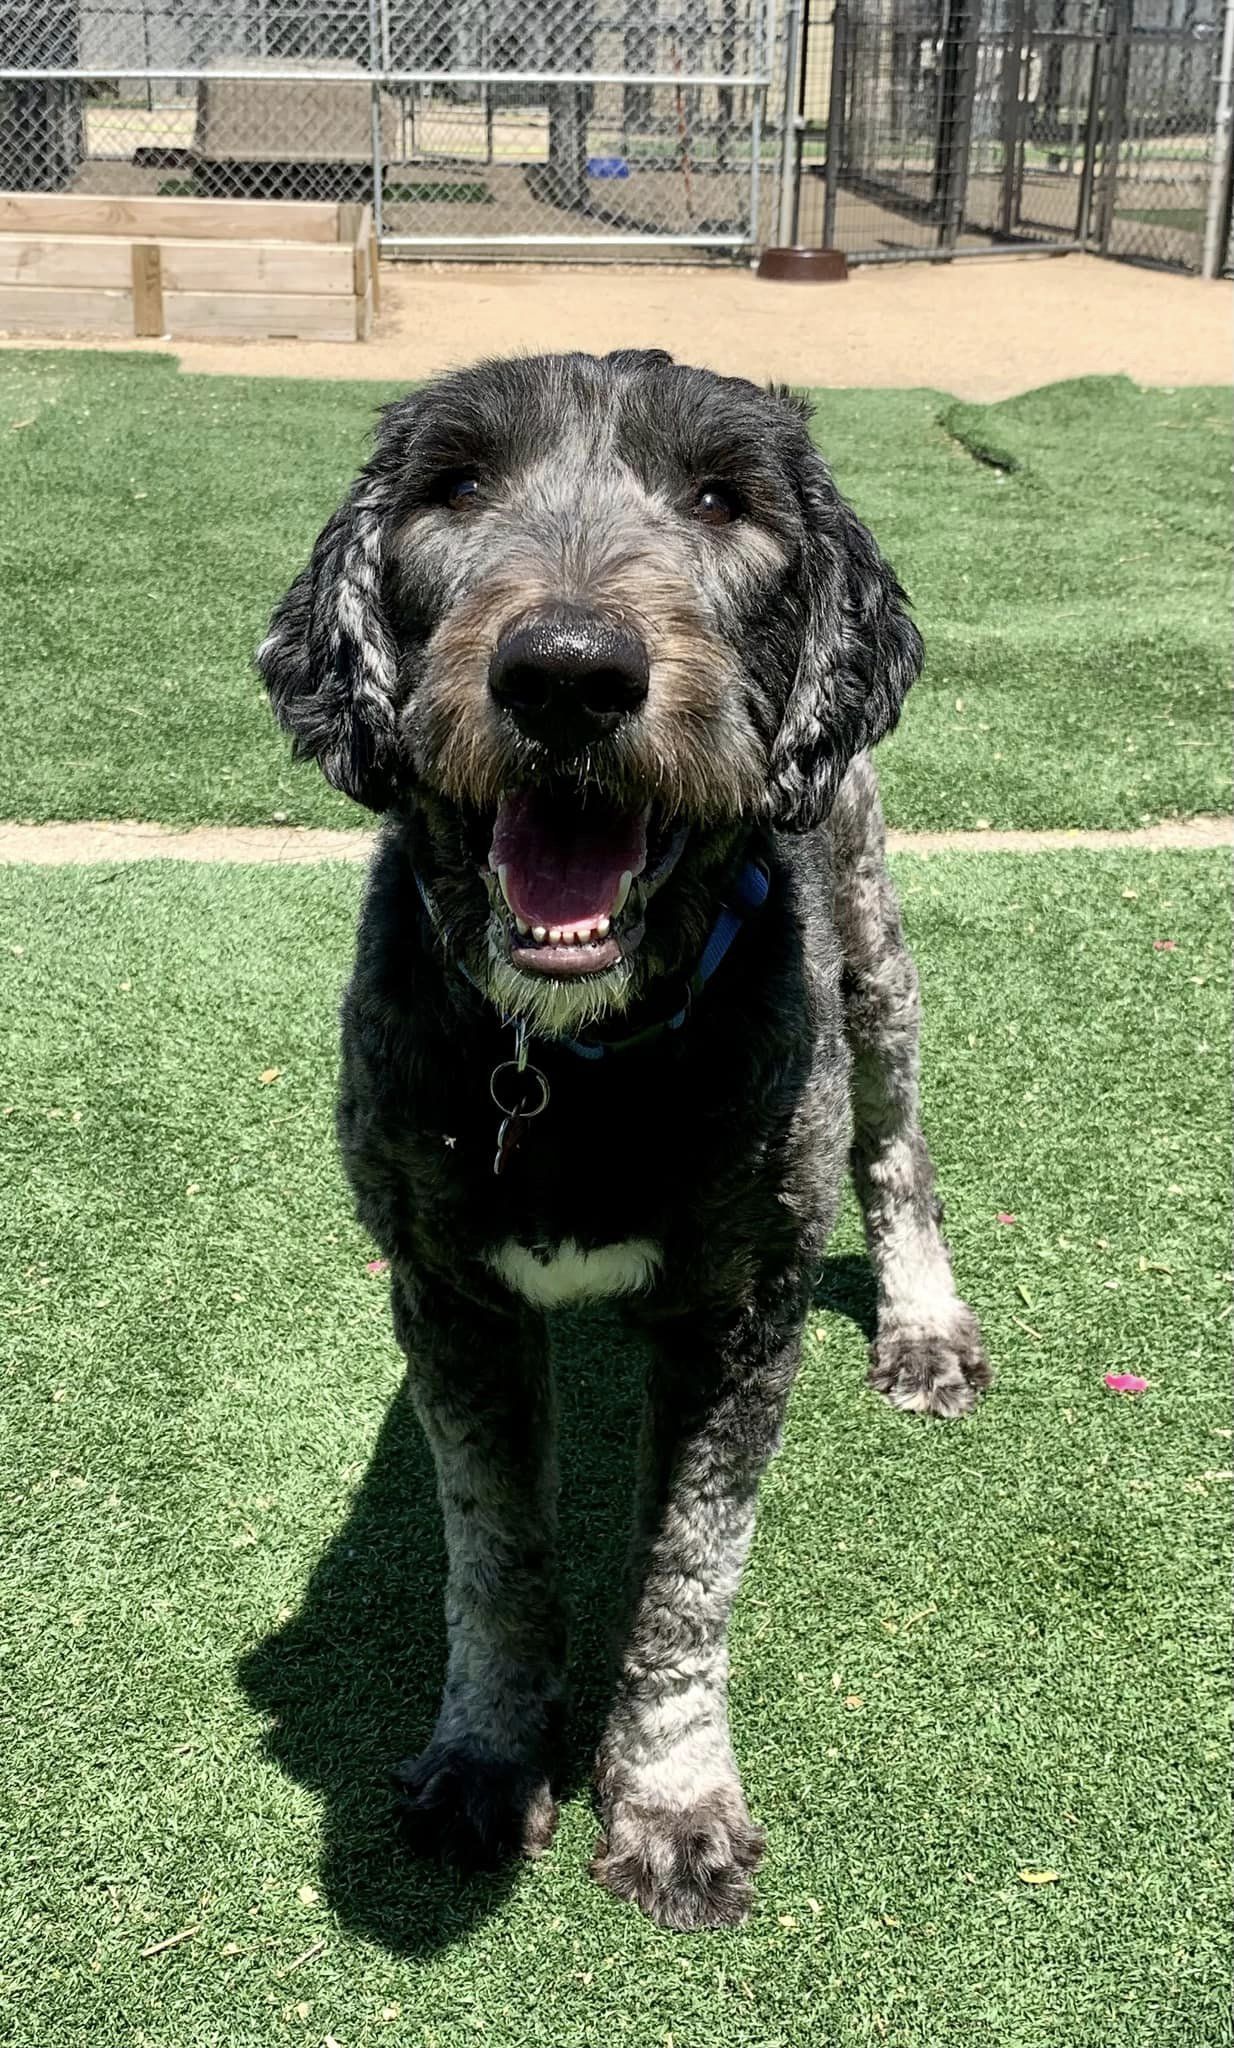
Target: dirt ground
<point>981,328</point>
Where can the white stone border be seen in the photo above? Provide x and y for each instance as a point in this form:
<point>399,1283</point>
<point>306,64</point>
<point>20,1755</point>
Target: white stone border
<point>77,845</point>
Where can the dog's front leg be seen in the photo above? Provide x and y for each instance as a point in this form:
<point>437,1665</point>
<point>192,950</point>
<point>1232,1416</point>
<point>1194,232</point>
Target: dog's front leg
<point>678,1838</point>
<point>928,1354</point>
<point>481,1385</point>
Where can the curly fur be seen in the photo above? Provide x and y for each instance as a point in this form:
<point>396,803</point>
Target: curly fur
<point>702,1173</point>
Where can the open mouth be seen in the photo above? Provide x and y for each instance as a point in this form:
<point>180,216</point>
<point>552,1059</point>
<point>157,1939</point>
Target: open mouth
<point>570,878</point>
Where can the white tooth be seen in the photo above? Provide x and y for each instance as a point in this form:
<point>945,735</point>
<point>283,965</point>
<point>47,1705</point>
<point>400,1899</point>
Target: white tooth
<point>502,872</point>
<point>623,890</point>
<point>539,934</point>
<point>554,935</point>
<point>523,928</point>
<point>602,929</point>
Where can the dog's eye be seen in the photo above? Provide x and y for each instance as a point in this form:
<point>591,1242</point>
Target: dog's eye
<point>716,504</point>
<point>459,491</point>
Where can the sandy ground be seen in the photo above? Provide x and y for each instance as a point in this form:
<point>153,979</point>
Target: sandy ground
<point>983,328</point>
<point>294,846</point>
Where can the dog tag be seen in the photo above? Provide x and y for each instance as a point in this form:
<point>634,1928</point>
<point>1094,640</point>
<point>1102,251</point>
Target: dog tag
<point>508,1135</point>
<point>520,1092</point>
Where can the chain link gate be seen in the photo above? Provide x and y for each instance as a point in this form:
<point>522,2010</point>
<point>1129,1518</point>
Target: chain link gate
<point>942,128</point>
<point>1156,176</point>
<point>485,126</point>
<point>640,123</point>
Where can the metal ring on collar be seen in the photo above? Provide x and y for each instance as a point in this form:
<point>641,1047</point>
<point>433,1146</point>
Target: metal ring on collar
<point>528,1074</point>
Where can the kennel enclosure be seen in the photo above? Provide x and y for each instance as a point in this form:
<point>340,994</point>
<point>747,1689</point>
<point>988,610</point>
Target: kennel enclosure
<point>671,129</point>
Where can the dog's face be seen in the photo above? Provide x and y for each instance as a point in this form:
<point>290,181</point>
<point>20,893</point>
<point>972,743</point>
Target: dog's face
<point>590,619</point>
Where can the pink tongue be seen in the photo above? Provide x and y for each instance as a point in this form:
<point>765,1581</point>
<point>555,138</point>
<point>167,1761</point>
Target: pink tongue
<point>564,865</point>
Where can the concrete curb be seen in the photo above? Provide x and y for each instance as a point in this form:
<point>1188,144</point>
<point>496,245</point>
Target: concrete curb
<point>103,843</point>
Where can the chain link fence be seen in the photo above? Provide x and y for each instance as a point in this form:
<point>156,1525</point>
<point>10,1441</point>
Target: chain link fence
<point>481,124</point>
<point>638,123</point>
<point>936,128</point>
<point>183,98</point>
<point>888,128</point>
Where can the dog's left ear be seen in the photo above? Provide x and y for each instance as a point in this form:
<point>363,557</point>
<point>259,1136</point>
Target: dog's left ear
<point>859,653</point>
<point>329,661</point>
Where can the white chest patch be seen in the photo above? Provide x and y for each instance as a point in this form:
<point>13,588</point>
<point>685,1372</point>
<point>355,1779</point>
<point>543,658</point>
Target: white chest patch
<point>567,1274</point>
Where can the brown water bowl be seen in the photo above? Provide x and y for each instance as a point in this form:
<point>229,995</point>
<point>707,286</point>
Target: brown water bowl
<point>803,266</point>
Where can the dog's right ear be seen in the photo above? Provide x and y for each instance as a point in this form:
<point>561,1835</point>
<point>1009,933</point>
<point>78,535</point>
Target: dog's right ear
<point>329,661</point>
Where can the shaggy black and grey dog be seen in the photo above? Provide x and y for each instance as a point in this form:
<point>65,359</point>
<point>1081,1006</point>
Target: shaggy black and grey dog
<point>603,642</point>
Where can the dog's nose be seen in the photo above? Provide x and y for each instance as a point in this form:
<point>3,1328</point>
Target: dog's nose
<point>568,678</point>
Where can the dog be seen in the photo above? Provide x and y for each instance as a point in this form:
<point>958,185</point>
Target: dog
<point>604,645</point>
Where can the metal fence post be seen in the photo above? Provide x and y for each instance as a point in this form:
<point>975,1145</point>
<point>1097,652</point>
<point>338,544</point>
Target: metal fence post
<point>1014,60</point>
<point>762,24</point>
<point>1221,189</point>
<point>802,122</point>
<point>835,120</point>
<point>376,69</point>
<point>956,130</point>
<point>1092,131</point>
<point>1118,72</point>
<point>790,131</point>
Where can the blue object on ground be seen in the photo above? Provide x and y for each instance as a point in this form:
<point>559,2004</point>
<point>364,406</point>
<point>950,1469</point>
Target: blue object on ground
<point>607,167</point>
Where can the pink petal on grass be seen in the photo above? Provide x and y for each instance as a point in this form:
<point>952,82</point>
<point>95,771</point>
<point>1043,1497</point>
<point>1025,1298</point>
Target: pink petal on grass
<point>1004,1216</point>
<point>1165,946</point>
<point>378,1266</point>
<point>1125,1383</point>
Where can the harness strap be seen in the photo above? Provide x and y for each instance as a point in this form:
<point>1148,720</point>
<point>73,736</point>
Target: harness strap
<point>749,894</point>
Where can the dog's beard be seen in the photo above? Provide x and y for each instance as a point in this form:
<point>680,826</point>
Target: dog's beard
<point>556,1009</point>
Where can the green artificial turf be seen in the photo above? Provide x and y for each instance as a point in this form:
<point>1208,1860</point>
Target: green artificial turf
<point>962,1652</point>
<point>1067,552</point>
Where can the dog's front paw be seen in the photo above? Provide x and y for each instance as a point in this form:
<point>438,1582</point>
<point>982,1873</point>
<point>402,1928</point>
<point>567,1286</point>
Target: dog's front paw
<point>473,1810</point>
<point>931,1367</point>
<point>684,1866</point>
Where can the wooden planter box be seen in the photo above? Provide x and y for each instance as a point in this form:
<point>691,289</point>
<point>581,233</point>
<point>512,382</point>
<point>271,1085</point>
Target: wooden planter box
<point>220,269</point>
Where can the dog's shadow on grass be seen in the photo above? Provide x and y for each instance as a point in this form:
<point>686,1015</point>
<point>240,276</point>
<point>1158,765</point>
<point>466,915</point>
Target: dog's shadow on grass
<point>350,1684</point>
<point>845,1287</point>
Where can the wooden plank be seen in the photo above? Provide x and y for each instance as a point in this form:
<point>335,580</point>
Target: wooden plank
<point>75,260</point>
<point>245,220</point>
<point>356,225</point>
<point>359,262</point>
<point>81,260</point>
<point>256,267</point>
<point>364,315</point>
<point>147,288</point>
<point>44,309</point>
<point>297,316</point>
